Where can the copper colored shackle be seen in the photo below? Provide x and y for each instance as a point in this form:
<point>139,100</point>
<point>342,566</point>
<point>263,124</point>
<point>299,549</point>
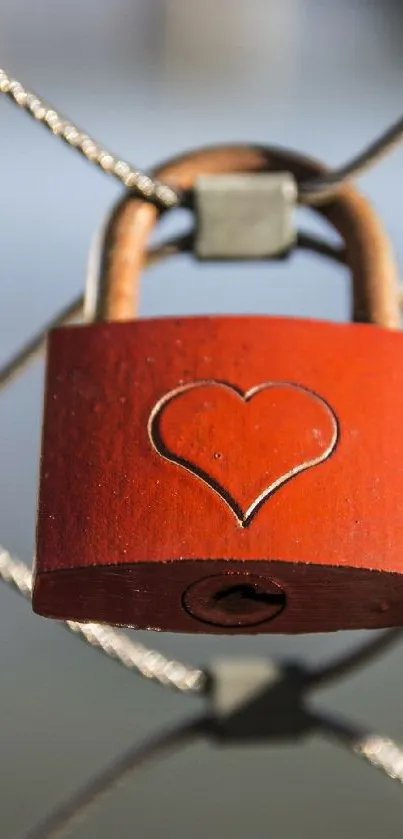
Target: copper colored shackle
<point>367,247</point>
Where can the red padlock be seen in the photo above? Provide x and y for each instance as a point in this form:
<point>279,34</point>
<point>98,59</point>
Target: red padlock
<point>226,474</point>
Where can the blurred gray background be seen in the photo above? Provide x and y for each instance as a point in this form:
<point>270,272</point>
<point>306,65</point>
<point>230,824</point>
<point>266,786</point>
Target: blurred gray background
<point>150,78</point>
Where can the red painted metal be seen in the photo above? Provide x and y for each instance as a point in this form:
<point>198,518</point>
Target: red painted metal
<point>223,474</point>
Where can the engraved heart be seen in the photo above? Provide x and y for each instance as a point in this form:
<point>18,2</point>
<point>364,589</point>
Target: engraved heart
<point>243,444</point>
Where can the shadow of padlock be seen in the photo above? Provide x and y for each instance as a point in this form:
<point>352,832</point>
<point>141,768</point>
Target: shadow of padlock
<point>229,474</point>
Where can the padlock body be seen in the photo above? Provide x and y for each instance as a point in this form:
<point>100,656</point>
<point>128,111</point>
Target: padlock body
<point>222,474</point>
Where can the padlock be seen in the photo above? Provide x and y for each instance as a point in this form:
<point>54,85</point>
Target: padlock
<point>226,474</point>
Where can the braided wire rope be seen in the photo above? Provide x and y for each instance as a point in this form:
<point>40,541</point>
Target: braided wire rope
<point>62,127</point>
<point>312,192</point>
<point>115,644</point>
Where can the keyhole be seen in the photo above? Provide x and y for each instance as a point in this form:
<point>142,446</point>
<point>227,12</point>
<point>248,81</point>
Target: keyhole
<point>245,599</point>
<point>235,599</point>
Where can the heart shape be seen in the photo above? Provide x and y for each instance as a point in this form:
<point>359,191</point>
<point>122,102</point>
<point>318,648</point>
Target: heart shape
<point>243,444</point>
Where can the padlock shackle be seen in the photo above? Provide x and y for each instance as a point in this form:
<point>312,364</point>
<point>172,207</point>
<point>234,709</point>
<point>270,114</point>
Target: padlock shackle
<point>368,249</point>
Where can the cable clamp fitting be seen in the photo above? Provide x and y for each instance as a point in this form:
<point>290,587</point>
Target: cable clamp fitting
<point>244,216</point>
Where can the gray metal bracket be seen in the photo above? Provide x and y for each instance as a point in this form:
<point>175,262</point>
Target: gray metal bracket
<point>245,216</point>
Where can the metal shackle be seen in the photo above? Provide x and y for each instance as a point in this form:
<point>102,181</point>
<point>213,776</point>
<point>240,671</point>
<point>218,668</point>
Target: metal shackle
<point>367,247</point>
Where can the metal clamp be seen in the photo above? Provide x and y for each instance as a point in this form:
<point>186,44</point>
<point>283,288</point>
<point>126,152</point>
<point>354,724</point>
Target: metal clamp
<point>257,699</point>
<point>245,216</point>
